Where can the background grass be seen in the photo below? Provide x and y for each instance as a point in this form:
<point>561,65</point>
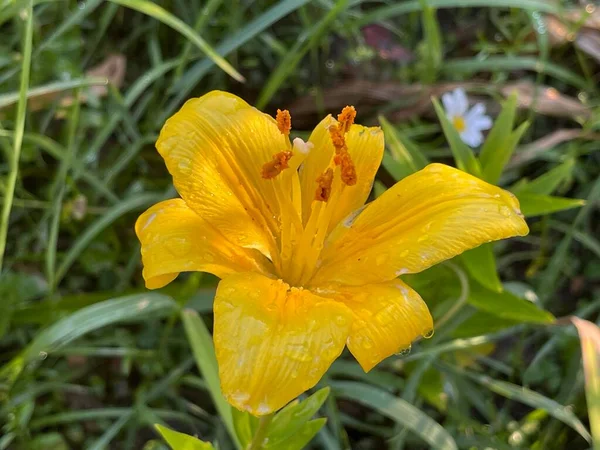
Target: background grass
<point>91,360</point>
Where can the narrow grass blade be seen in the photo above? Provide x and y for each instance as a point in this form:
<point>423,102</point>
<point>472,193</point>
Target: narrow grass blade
<point>90,318</point>
<point>402,159</point>
<point>161,14</point>
<point>19,130</point>
<point>432,43</point>
<point>589,335</point>
<point>95,228</point>
<point>289,63</point>
<point>204,354</point>
<point>537,205</point>
<point>463,155</point>
<point>51,89</point>
<point>547,183</point>
<point>406,7</point>
<point>528,397</point>
<point>398,410</point>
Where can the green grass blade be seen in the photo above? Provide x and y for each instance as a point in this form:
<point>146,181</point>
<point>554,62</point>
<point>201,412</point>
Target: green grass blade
<point>58,193</point>
<point>398,410</point>
<point>131,204</point>
<point>159,13</point>
<point>463,155</point>
<point>249,31</point>
<point>547,183</point>
<point>589,335</point>
<point>431,47</point>
<point>406,7</point>
<point>537,205</point>
<point>513,63</point>
<point>51,88</point>
<point>496,151</point>
<point>291,60</point>
<point>528,397</point>
<point>204,353</point>
<point>403,157</point>
<point>19,130</point>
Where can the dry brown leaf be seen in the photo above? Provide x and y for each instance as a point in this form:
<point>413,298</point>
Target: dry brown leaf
<point>580,26</point>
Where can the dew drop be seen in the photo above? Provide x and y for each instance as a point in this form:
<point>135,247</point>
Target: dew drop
<point>404,351</point>
<point>428,334</point>
<point>43,355</point>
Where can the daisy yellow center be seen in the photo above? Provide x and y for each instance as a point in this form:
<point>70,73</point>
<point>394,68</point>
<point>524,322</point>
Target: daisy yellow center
<point>300,244</point>
<point>459,123</point>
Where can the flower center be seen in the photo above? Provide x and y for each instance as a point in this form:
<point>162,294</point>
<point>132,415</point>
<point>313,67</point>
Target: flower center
<point>459,123</point>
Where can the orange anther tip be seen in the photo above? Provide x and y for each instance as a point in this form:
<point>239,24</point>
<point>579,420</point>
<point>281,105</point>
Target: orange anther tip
<point>276,165</point>
<point>284,121</point>
<point>346,118</point>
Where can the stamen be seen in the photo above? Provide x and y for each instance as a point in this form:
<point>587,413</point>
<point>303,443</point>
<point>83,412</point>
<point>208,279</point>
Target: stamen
<point>348,170</point>
<point>325,180</point>
<point>337,137</point>
<point>346,118</point>
<point>284,121</point>
<point>276,165</point>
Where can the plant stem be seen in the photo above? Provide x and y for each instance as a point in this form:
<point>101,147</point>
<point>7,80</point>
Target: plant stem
<point>19,129</point>
<point>261,432</point>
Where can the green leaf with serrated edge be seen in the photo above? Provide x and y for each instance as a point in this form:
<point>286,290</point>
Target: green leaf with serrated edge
<point>548,182</point>
<point>181,441</point>
<point>507,306</point>
<point>537,205</point>
<point>245,425</point>
<point>481,265</point>
<point>204,353</point>
<point>289,420</point>
<point>496,150</point>
<point>463,155</point>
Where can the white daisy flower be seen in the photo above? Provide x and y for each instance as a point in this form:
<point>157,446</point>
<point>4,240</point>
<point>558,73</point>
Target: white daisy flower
<point>468,122</point>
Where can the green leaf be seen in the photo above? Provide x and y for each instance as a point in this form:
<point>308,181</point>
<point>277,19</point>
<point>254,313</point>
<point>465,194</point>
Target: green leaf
<point>159,13</point>
<point>293,417</point>
<point>204,353</point>
<point>398,410</point>
<point>302,436</point>
<point>548,182</point>
<point>463,155</point>
<point>536,205</point>
<point>403,157</point>
<point>589,335</point>
<point>245,425</point>
<point>181,441</point>
<point>90,318</point>
<point>481,265</point>
<point>481,323</point>
<point>507,306</point>
<point>498,148</point>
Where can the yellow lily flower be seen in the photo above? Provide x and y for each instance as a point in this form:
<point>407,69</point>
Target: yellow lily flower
<point>306,269</point>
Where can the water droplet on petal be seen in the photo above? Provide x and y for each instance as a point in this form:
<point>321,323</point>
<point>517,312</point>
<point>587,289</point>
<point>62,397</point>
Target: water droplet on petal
<point>428,334</point>
<point>404,351</point>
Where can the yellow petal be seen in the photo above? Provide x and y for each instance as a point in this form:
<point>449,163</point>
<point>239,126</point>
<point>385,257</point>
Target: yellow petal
<point>273,342</point>
<point>365,146</point>
<point>428,217</point>
<point>215,148</point>
<point>388,317</point>
<point>175,239</point>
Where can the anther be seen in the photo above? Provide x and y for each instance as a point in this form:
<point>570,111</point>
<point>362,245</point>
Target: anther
<point>346,118</point>
<point>337,137</point>
<point>348,171</point>
<point>284,121</point>
<point>325,180</point>
<point>276,165</point>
